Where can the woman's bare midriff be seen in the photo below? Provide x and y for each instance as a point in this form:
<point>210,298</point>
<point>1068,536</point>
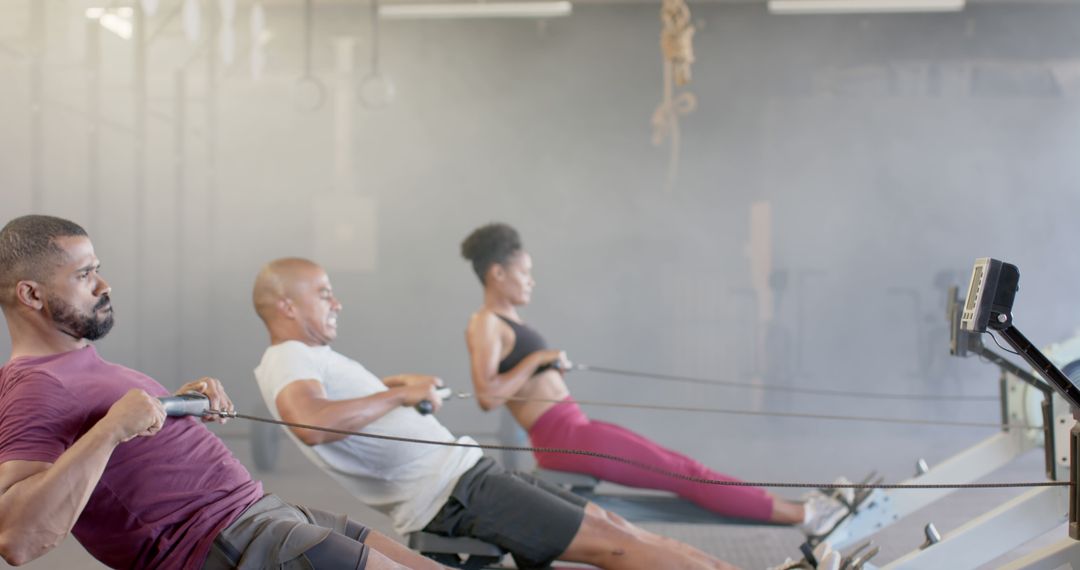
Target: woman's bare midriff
<point>548,386</point>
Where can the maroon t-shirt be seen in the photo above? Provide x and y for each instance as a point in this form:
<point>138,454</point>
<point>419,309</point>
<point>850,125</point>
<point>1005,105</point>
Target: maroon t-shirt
<point>162,499</point>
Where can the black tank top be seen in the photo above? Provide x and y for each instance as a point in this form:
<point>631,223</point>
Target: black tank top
<point>526,342</point>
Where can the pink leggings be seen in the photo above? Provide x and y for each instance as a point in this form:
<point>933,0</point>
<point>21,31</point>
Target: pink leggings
<point>566,426</point>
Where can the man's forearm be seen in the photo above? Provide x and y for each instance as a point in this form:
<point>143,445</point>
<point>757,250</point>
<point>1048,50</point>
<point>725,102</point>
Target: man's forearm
<point>352,415</point>
<point>38,511</point>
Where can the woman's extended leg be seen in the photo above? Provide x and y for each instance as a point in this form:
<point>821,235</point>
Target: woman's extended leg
<point>568,427</point>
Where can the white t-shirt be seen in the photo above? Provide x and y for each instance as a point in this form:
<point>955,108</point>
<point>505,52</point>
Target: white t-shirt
<point>409,482</point>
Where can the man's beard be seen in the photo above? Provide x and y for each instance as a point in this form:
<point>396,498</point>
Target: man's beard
<point>78,325</point>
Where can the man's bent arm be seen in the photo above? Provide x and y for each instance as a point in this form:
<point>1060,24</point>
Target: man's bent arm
<point>305,402</point>
<point>40,502</point>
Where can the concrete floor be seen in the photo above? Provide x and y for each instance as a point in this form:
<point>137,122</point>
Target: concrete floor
<point>751,547</point>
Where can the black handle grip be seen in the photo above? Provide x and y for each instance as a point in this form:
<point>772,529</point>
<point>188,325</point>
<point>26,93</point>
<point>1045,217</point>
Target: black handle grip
<point>189,404</point>
<point>425,407</point>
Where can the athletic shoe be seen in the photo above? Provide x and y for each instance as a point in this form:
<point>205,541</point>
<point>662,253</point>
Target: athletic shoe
<point>846,493</point>
<point>822,550</point>
<point>822,514</point>
<point>831,561</point>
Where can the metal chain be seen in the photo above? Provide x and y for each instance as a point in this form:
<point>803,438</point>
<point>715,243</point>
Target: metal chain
<point>695,409</point>
<point>781,387</point>
<point>640,465</point>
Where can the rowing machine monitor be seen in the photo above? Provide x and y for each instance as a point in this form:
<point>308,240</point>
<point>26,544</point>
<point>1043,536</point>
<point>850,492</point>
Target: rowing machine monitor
<point>990,296</point>
<point>989,306</point>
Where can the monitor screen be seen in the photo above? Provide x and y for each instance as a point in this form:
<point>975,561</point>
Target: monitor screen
<point>976,283</point>
<point>977,307</point>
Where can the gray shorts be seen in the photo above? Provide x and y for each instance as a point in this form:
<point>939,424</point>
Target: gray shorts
<point>274,534</point>
<point>533,520</point>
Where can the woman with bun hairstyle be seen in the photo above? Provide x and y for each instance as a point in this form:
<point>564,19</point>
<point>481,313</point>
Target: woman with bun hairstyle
<point>513,365</point>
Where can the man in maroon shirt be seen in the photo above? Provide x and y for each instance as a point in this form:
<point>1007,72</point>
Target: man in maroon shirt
<point>86,449</point>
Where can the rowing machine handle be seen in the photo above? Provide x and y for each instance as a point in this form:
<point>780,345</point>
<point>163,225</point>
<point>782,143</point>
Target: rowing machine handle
<point>187,404</point>
<point>425,407</point>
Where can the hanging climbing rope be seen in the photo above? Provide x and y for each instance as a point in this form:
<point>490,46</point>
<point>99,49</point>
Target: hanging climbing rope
<point>677,45</point>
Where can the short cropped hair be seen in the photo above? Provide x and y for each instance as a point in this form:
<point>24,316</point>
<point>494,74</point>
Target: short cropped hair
<point>28,250</point>
<point>490,244</point>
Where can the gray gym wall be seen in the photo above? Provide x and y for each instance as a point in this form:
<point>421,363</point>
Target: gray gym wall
<point>892,149</point>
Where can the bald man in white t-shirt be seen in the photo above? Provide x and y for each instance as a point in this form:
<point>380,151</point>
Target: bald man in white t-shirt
<point>448,490</point>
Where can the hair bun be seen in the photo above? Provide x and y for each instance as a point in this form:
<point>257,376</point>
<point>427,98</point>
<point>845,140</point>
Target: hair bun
<point>490,244</point>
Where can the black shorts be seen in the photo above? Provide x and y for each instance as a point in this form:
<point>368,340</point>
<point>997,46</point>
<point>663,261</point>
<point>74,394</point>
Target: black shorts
<point>533,520</point>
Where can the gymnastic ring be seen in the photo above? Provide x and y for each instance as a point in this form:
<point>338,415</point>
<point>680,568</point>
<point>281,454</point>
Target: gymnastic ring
<point>309,94</point>
<point>376,90</point>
